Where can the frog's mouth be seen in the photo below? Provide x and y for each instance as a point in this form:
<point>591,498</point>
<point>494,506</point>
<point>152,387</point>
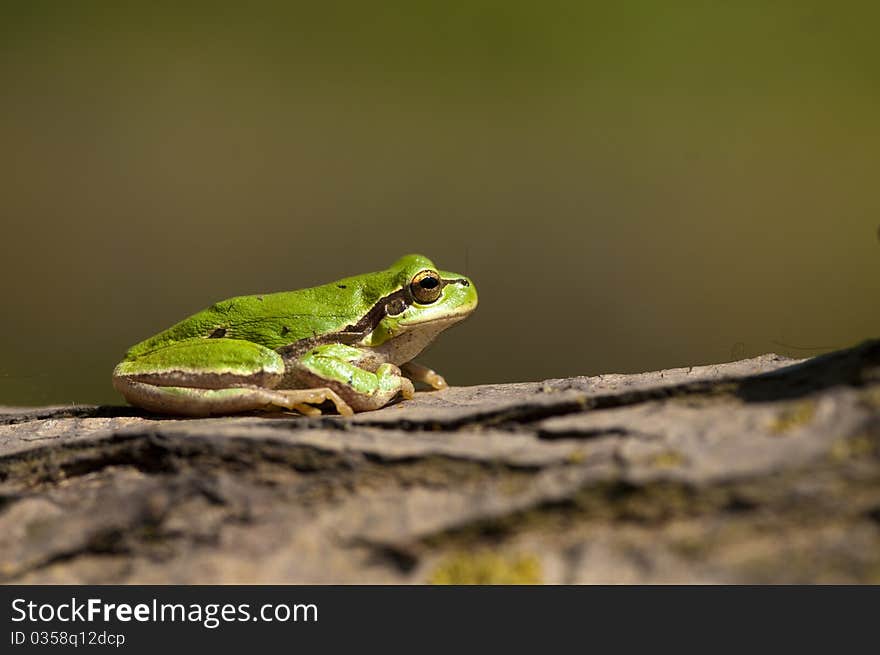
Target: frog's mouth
<point>447,318</point>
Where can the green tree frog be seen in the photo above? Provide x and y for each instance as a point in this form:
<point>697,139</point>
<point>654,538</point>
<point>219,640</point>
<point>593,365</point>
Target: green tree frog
<point>351,342</point>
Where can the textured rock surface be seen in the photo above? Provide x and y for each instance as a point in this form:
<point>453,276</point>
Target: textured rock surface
<point>764,470</point>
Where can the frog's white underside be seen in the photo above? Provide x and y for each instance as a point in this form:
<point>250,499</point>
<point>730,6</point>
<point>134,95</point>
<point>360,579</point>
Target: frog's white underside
<point>405,346</point>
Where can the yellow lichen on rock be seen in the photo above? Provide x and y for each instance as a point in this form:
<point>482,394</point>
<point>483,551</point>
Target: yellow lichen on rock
<point>487,568</point>
<point>793,416</point>
<point>855,446</point>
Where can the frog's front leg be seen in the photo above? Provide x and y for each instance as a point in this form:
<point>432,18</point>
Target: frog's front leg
<point>204,377</point>
<point>354,374</point>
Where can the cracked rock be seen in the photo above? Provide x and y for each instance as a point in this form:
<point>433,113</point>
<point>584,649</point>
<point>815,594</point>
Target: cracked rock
<point>763,470</point>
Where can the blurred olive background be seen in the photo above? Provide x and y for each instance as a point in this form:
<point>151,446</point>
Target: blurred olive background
<point>631,185</point>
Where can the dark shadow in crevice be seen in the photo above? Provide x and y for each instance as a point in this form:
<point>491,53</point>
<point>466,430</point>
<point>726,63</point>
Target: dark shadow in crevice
<point>853,367</point>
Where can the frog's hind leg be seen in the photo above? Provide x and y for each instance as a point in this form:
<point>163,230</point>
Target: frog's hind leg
<point>302,400</point>
<point>189,401</point>
<point>204,377</point>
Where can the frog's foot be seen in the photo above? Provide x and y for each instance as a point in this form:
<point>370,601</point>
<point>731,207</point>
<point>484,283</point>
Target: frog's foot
<point>418,373</point>
<point>302,400</point>
<point>407,390</point>
<point>189,401</point>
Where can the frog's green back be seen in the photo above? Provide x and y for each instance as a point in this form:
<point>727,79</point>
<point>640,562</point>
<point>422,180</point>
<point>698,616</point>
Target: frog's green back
<point>278,319</point>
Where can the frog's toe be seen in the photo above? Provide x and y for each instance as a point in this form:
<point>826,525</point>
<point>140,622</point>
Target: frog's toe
<point>302,400</point>
<point>306,410</point>
<point>418,373</point>
<point>407,390</point>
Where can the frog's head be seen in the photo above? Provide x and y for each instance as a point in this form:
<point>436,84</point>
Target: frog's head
<point>425,302</point>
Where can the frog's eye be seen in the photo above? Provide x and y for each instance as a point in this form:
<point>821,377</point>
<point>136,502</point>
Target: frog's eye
<point>426,286</point>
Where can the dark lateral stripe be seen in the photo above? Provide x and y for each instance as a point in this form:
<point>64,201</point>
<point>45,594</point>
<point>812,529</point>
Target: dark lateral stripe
<point>205,380</point>
<point>351,334</point>
<point>372,318</point>
<point>458,280</point>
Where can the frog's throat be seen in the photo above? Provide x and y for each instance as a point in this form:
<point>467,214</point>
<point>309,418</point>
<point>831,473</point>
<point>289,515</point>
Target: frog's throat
<point>407,345</point>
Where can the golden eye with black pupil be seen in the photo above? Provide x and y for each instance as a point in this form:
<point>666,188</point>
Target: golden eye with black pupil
<point>425,286</point>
